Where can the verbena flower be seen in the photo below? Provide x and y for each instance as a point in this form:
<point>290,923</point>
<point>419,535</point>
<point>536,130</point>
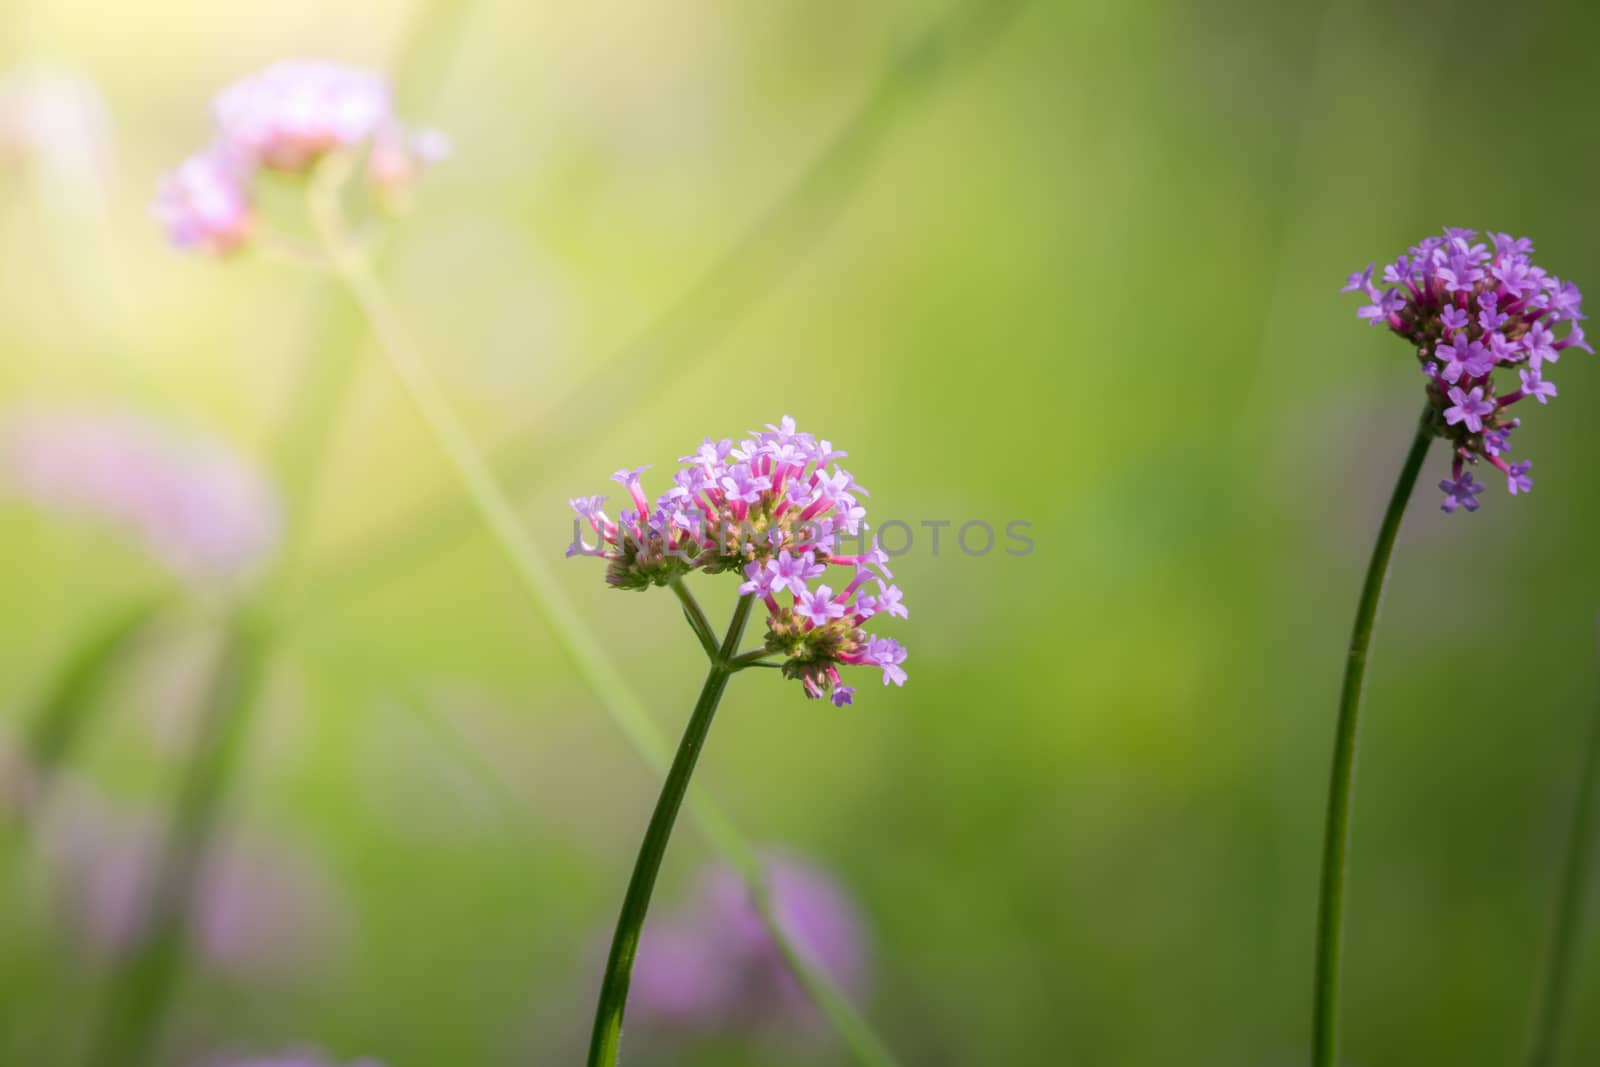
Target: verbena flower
<point>714,964</point>
<point>200,508</point>
<point>777,511</point>
<point>1471,311</point>
<point>259,907</point>
<point>286,119</point>
<point>205,203</point>
<point>56,121</point>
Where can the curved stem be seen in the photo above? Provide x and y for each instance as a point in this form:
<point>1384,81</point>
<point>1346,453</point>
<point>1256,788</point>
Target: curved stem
<point>1550,1015</point>
<point>630,923</point>
<point>1336,833</point>
<point>697,619</point>
<point>565,624</point>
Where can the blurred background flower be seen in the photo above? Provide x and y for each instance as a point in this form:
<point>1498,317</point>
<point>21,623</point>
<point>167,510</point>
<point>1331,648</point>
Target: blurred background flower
<point>198,507</point>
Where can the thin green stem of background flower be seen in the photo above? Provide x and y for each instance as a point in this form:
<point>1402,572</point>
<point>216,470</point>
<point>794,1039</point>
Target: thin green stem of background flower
<point>352,265</point>
<point>690,328</point>
<point>1555,992</point>
<point>1336,833</point>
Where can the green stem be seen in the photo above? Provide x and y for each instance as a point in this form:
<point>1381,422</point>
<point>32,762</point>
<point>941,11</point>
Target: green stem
<point>1550,1015</point>
<point>70,700</point>
<point>625,943</point>
<point>1336,836</point>
<point>753,658</point>
<point>565,624</point>
<point>697,619</point>
<point>131,1024</point>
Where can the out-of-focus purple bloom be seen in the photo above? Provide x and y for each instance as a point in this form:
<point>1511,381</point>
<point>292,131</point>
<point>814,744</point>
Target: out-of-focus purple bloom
<point>400,155</point>
<point>714,965</point>
<point>1467,312</point>
<point>197,506</point>
<point>205,204</point>
<point>257,908</point>
<point>778,510</point>
<point>287,118</point>
<point>287,1059</point>
<point>55,121</point>
<point>294,112</point>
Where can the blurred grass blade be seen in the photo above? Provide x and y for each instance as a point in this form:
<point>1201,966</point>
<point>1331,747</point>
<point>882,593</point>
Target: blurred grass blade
<point>688,331</point>
<point>1566,929</point>
<point>66,710</point>
<point>129,1028</point>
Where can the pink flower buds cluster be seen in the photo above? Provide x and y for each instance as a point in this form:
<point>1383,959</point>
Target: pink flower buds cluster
<point>286,119</point>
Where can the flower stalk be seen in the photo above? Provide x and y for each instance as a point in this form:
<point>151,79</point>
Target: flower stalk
<point>607,1034</point>
<point>1336,832</point>
<point>352,266</point>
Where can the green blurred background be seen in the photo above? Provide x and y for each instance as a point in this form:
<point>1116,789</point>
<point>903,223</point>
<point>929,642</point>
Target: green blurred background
<point>1074,264</point>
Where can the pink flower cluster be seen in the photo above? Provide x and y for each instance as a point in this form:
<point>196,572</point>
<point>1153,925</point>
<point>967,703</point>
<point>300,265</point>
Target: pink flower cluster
<point>197,506</point>
<point>777,509</point>
<point>1470,313</point>
<point>714,964</point>
<point>286,119</point>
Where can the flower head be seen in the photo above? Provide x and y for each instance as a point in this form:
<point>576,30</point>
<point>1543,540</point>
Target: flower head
<point>288,118</point>
<point>199,507</point>
<point>1470,311</point>
<point>289,115</point>
<point>777,510</point>
<point>714,963</point>
<point>205,203</point>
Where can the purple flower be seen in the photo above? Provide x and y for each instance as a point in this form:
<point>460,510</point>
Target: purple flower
<point>843,696</point>
<point>1469,408</point>
<point>713,965</point>
<point>205,204</point>
<point>777,510</point>
<point>258,908</point>
<point>54,120</point>
<point>1463,357</point>
<point>818,607</point>
<point>287,118</point>
<point>1517,480</point>
<point>1574,339</point>
<point>1497,442</point>
<point>1360,281</point>
<point>1565,302</point>
<point>1460,491</point>
<point>1540,344</point>
<point>764,579</point>
<point>294,112</point>
<point>1465,310</point>
<point>201,509</point>
<point>1382,307</point>
<point>1536,386</point>
<point>796,570</point>
<point>886,653</point>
